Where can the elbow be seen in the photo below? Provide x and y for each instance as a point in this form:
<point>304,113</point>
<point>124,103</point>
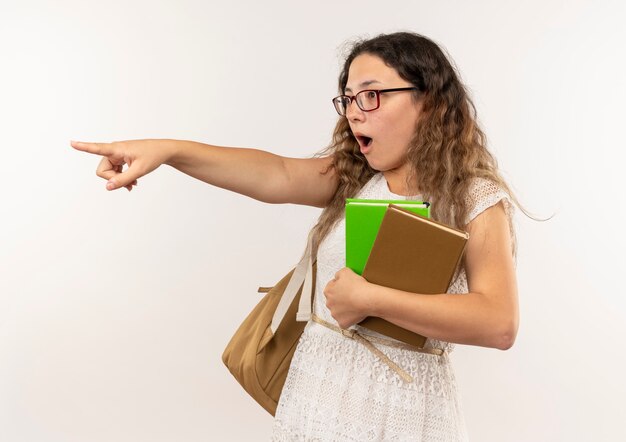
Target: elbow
<point>506,341</point>
<point>505,338</point>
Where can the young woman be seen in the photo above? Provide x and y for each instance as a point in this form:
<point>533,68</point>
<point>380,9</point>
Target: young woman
<point>407,130</point>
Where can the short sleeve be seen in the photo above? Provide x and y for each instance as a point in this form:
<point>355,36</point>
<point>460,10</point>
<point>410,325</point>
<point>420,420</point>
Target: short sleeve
<point>483,194</point>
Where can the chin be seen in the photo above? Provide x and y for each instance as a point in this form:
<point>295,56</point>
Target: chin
<point>380,167</point>
<point>374,166</point>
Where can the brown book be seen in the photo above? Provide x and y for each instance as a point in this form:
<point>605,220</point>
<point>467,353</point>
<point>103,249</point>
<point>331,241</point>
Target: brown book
<point>413,254</point>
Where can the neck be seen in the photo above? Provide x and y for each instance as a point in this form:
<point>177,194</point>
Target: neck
<point>396,183</point>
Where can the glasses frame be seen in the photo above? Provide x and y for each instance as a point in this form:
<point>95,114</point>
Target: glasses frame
<point>353,98</point>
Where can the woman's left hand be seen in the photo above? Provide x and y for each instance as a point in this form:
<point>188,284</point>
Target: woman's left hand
<point>347,297</point>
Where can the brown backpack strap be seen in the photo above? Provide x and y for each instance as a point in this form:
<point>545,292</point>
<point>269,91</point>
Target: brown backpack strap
<point>302,274</point>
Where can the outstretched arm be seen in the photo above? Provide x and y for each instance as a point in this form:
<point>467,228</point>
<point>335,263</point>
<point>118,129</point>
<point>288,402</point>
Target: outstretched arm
<point>255,173</point>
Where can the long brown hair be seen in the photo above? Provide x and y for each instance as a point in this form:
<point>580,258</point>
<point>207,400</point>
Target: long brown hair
<point>448,143</point>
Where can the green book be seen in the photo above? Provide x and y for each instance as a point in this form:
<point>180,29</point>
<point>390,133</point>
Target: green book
<point>363,219</point>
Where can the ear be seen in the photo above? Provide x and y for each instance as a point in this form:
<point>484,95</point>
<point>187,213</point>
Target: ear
<point>422,113</point>
<point>423,100</point>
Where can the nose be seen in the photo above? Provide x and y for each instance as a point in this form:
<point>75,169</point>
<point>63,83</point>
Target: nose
<point>354,112</point>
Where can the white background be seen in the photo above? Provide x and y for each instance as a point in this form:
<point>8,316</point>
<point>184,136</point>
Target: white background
<point>115,306</point>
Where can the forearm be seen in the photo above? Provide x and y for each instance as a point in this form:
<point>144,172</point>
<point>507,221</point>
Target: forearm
<point>469,318</point>
<point>251,172</point>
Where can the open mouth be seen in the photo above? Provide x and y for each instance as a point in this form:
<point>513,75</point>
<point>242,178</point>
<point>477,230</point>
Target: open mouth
<point>363,140</point>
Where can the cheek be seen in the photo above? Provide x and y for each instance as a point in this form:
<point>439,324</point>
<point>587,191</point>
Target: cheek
<point>396,129</point>
<point>405,132</point>
<point>399,138</point>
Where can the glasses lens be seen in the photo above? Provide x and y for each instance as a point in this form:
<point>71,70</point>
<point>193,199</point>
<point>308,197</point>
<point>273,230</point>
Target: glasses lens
<point>367,100</point>
<point>341,104</point>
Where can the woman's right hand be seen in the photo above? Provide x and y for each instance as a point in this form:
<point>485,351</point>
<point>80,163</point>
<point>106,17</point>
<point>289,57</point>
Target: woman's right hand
<point>142,157</point>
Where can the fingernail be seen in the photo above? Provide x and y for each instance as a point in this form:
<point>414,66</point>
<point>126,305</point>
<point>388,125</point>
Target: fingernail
<point>110,185</point>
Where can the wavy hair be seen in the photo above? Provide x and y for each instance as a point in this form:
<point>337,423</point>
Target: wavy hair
<point>448,142</point>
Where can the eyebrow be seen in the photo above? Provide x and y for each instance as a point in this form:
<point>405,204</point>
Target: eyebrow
<point>365,83</point>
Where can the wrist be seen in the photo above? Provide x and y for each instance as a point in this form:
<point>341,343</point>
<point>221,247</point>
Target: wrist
<point>175,151</point>
<point>370,299</point>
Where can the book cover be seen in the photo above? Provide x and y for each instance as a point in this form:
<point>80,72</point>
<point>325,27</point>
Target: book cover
<point>363,219</point>
<point>414,254</point>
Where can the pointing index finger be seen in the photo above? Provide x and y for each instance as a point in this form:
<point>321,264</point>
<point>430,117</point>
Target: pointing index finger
<point>97,148</point>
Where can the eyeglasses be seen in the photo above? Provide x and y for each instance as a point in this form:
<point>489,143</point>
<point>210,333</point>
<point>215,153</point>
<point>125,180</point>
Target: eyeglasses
<point>367,100</point>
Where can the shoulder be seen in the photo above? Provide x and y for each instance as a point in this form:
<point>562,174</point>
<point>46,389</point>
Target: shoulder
<point>484,193</point>
<point>489,205</point>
